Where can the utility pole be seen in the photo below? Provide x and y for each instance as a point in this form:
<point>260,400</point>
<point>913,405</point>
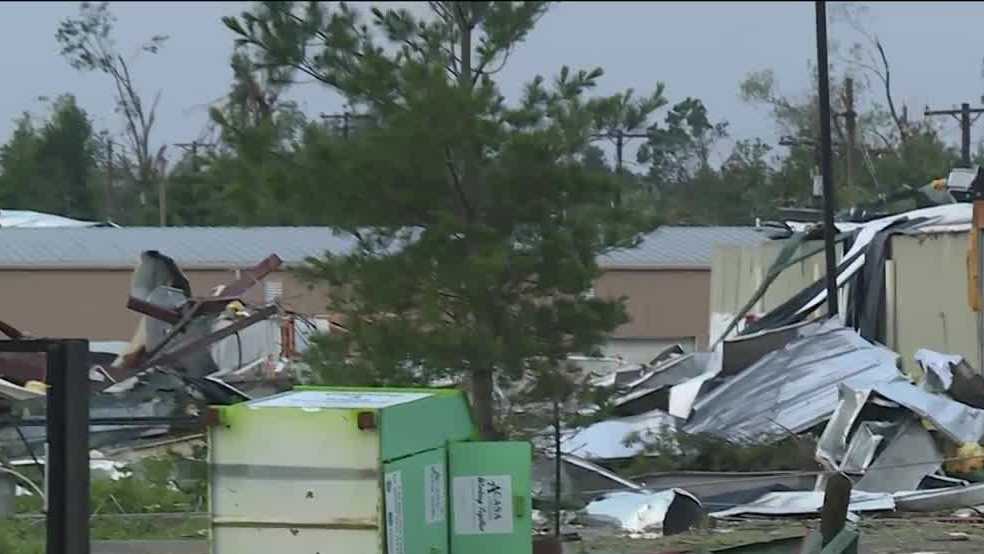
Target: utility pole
<point>346,119</point>
<point>193,146</point>
<point>619,135</point>
<point>825,158</point>
<point>108,190</point>
<point>162,201</point>
<point>851,118</point>
<point>963,116</point>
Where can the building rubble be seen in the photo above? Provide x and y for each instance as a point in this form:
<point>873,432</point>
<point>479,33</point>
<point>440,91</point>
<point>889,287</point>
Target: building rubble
<point>189,350</point>
<point>907,442</point>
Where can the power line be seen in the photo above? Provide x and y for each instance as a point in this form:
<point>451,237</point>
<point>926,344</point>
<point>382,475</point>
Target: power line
<point>346,120</point>
<point>619,136</point>
<point>963,116</point>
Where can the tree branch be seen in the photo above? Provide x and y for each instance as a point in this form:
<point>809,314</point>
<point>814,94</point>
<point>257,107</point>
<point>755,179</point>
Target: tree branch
<point>456,184</point>
<point>903,132</point>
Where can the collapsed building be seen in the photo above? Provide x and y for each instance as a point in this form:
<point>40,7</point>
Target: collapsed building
<point>189,350</point>
<point>890,390</point>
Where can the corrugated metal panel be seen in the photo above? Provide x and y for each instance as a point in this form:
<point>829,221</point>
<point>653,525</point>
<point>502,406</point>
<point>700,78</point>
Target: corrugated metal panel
<point>793,388</point>
<point>682,246</point>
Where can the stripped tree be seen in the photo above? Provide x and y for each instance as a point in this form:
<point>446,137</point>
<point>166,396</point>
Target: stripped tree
<point>88,45</point>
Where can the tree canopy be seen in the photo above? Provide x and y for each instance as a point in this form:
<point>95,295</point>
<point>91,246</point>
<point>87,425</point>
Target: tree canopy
<point>477,222</point>
<point>49,165</point>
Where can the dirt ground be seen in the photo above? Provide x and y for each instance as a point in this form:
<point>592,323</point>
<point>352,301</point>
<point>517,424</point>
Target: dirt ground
<point>895,535</point>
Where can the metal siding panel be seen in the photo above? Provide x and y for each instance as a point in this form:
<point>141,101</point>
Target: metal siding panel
<point>931,292</point>
<point>280,472</point>
<point>418,534</point>
<point>294,541</point>
<point>467,461</point>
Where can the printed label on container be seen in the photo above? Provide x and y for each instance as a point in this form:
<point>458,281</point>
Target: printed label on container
<point>435,491</point>
<point>483,505</point>
<point>393,485</point>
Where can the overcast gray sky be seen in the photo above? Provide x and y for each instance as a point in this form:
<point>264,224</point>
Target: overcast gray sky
<point>697,49</point>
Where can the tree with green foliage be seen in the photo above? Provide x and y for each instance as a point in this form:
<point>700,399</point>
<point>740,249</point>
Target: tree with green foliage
<point>19,168</point>
<point>67,159</point>
<point>252,173</point>
<point>477,224</point>
<point>892,154</point>
<point>51,168</point>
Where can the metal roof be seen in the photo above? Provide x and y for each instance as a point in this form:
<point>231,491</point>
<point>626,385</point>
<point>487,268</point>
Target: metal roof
<point>27,218</point>
<point>221,247</point>
<point>191,247</point>
<point>681,247</point>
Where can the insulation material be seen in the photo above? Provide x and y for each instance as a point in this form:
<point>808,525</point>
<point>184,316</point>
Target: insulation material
<point>642,512</point>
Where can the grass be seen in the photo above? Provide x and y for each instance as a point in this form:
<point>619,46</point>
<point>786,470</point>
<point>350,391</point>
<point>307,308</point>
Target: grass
<point>124,509</point>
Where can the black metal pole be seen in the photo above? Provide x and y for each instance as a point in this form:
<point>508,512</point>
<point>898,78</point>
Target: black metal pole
<point>68,447</point>
<point>825,155</point>
<point>558,460</point>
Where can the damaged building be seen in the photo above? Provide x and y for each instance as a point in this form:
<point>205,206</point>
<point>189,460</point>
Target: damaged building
<point>888,394</point>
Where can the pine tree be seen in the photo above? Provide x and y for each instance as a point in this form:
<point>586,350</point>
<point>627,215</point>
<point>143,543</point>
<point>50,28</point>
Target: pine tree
<point>477,224</point>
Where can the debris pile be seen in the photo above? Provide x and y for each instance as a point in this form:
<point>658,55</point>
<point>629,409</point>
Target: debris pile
<point>187,352</point>
<point>907,443</point>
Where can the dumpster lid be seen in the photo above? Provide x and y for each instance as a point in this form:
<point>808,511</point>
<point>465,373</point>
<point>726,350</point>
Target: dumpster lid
<point>337,399</point>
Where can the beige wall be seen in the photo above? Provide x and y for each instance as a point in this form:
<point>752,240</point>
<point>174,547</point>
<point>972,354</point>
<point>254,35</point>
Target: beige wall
<point>669,304</point>
<point>737,272</point>
<point>662,303</point>
<point>92,303</point>
<point>931,309</point>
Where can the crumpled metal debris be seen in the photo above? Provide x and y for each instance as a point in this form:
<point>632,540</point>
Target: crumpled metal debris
<point>959,422</point>
<point>581,480</point>
<point>652,390</point>
<point>725,489</point>
<point>937,500</point>
<point>743,351</point>
<point>951,374</point>
<point>878,432</point>
<point>617,438</point>
<point>909,456</point>
<point>799,503</point>
<point>794,388</point>
<point>670,511</point>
